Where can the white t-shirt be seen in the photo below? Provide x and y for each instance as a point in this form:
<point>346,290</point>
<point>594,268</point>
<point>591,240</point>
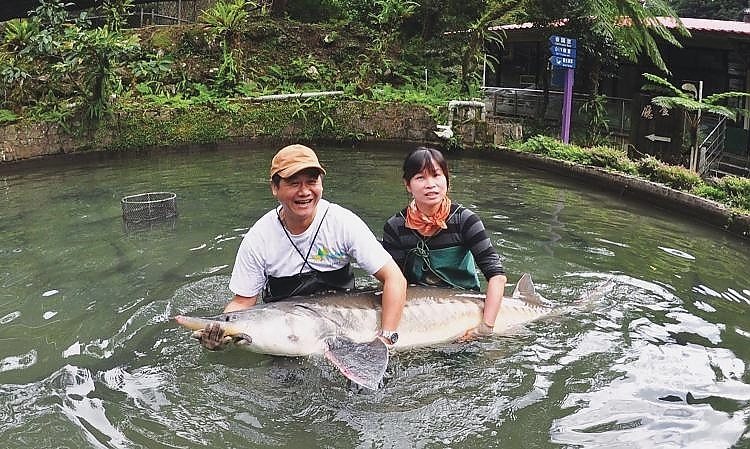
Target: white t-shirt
<point>266,250</point>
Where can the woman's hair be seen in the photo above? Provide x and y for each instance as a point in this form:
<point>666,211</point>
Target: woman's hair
<point>425,158</point>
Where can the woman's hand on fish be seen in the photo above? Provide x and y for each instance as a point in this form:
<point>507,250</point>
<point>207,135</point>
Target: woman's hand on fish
<point>483,330</point>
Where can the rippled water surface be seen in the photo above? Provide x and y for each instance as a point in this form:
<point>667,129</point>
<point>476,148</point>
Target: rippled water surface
<point>651,348</point>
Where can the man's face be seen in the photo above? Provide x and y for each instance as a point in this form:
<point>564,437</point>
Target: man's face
<point>299,195</point>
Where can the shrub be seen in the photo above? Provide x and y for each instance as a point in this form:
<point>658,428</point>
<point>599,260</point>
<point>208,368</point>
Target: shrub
<point>611,158</point>
<point>676,177</point>
<point>648,166</point>
<point>605,157</point>
<point>732,191</point>
<point>711,192</point>
<point>737,190</point>
<point>7,116</point>
<point>547,146</point>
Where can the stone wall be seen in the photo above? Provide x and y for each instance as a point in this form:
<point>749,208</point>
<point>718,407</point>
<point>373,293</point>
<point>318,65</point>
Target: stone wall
<point>19,142</point>
<point>353,121</point>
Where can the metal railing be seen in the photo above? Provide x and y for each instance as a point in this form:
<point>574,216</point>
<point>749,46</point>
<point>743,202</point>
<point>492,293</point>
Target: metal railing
<point>528,103</point>
<point>712,147</point>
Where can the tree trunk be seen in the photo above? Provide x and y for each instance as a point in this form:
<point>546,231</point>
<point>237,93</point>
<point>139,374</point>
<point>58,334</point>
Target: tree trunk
<point>278,8</point>
<point>431,10</point>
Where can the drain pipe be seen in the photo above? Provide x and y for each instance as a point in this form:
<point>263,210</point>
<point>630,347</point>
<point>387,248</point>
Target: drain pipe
<point>300,95</point>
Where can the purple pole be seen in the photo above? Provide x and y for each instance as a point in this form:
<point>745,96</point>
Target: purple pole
<point>567,105</point>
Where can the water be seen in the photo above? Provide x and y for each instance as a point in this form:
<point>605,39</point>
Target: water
<point>90,358</point>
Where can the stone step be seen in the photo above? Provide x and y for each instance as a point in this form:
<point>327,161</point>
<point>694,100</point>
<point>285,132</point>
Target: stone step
<point>723,169</point>
<point>735,159</point>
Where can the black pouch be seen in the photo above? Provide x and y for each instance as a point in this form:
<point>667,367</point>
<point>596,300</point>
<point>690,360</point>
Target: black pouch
<point>308,283</point>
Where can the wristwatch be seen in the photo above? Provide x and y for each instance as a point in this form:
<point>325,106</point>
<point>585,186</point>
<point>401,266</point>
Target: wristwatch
<point>390,335</point>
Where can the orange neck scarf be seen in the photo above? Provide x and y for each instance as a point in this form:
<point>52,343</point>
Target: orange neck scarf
<point>428,225</point>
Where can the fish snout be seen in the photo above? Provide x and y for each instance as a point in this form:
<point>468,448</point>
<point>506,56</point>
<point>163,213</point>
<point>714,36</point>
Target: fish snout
<point>242,340</point>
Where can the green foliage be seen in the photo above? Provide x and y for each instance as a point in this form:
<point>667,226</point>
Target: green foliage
<point>648,166</point>
<point>711,192</point>
<point>732,191</point>
<point>19,33</point>
<point>390,13</point>
<point>116,13</point>
<point>51,18</point>
<point>738,191</point>
<point>611,158</point>
<point>475,52</point>
<point>715,9</point>
<point>676,177</point>
<point>674,98</point>
<point>317,112</point>
<point>7,116</point>
<point>151,72</point>
<point>310,70</point>
<point>603,157</point>
<point>59,60</point>
<point>51,112</point>
<point>13,74</point>
<point>92,56</point>
<point>227,20</point>
<point>595,109</point>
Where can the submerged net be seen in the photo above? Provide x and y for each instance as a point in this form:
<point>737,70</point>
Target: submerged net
<point>150,206</point>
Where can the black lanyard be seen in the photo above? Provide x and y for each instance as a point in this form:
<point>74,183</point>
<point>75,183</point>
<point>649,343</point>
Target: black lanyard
<point>315,236</point>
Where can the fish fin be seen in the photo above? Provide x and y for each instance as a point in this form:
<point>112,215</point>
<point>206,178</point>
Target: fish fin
<point>362,363</point>
<point>526,292</point>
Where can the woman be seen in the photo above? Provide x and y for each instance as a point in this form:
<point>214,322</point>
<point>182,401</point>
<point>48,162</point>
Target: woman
<point>437,242</point>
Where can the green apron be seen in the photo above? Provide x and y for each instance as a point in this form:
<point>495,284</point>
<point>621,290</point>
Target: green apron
<point>453,266</point>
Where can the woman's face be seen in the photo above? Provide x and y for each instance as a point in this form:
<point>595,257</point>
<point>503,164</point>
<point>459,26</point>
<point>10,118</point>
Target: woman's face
<point>428,187</point>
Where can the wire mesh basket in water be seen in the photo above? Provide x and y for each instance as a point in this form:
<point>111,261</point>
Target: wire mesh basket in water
<point>149,206</point>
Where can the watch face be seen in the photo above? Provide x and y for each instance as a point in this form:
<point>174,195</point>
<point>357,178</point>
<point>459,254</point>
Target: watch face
<point>394,337</point>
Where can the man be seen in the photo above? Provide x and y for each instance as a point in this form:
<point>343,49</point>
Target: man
<point>305,246</point>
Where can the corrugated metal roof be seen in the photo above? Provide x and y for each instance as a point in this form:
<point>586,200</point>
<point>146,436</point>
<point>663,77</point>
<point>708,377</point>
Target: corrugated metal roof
<point>708,25</point>
<point>703,25</point>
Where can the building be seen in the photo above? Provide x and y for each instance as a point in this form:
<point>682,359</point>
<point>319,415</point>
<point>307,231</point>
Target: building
<point>715,57</point>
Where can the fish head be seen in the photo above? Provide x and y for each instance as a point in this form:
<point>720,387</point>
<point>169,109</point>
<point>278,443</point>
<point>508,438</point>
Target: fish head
<point>267,330</point>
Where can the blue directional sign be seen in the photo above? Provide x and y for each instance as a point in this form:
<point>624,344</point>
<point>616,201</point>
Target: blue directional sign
<point>565,52</point>
<point>560,61</point>
<point>560,41</point>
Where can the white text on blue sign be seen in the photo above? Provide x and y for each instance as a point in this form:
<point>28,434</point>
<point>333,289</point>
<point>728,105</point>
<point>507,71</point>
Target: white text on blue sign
<point>562,41</point>
<point>558,61</point>
<point>563,51</point>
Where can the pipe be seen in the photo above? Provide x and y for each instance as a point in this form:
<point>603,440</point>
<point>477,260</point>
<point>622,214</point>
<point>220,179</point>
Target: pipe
<point>299,95</point>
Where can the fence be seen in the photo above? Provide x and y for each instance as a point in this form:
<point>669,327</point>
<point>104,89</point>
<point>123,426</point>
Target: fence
<point>528,103</point>
<point>169,12</point>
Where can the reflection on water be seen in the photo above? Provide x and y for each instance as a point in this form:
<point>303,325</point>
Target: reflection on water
<point>90,357</point>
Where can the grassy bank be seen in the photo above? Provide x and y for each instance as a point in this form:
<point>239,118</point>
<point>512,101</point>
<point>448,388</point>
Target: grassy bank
<point>730,191</point>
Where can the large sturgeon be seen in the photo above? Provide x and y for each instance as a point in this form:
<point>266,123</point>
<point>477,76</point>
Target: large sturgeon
<point>343,326</point>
